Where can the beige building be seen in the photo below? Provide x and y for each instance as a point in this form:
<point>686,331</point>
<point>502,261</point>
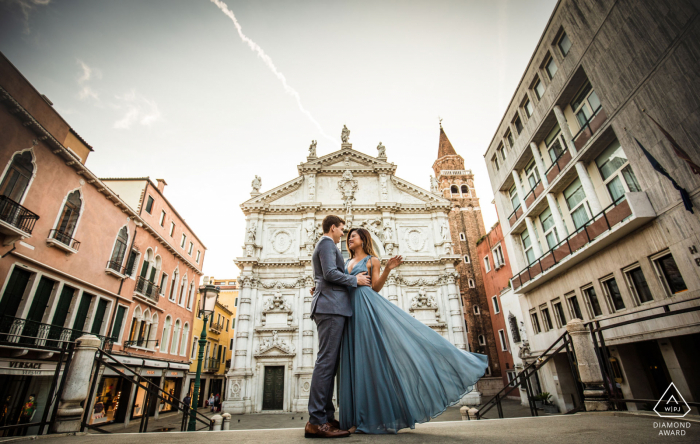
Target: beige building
<point>593,231</point>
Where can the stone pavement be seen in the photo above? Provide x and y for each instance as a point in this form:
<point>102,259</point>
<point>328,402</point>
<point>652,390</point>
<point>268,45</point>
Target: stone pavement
<point>578,428</point>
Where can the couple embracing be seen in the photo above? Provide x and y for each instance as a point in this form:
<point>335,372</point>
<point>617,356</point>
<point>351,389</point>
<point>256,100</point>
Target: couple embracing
<point>393,370</point>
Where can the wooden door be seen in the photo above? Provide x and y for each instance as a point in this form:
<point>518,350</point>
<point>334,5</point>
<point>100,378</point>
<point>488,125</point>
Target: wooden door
<point>273,389</point>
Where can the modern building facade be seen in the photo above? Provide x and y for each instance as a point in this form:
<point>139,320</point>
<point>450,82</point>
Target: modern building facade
<point>593,231</point>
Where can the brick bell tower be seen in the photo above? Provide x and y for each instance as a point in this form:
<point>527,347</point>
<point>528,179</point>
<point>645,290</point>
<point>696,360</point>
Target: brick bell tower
<point>466,227</point>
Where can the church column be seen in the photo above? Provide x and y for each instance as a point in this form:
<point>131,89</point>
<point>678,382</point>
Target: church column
<point>565,130</point>
<point>393,297</point>
<point>243,325</point>
<point>540,165</point>
<point>308,333</point>
<point>518,189</point>
<point>455,311</point>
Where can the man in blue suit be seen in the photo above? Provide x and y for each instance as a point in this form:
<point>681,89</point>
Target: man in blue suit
<point>329,308</point>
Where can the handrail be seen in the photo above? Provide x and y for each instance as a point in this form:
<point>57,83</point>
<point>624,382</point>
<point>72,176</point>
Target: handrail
<point>22,331</point>
<point>116,267</point>
<point>65,239</point>
<point>588,121</point>
<point>16,215</point>
<point>520,205</point>
<point>140,343</point>
<point>591,220</point>
<point>147,288</point>
<point>555,162</point>
<point>532,190</point>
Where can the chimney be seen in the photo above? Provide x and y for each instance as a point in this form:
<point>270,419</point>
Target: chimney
<point>161,185</point>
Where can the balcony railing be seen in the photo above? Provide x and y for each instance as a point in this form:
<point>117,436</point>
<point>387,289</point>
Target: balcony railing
<point>558,165</point>
<point>31,333</point>
<point>216,326</point>
<point>591,126</point>
<point>212,364</point>
<point>147,289</point>
<point>16,215</point>
<point>65,239</point>
<point>143,343</point>
<point>515,215</point>
<point>115,268</point>
<point>534,193</point>
<point>598,225</point>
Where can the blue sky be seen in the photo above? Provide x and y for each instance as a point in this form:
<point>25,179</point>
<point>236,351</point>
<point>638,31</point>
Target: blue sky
<point>168,88</point>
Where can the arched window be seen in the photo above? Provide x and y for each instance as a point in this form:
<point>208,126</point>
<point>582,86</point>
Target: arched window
<point>173,286</point>
<point>18,175</point>
<point>166,335</point>
<point>153,332</point>
<point>182,290</point>
<point>482,340</point>
<point>185,339</point>
<point>454,189</point>
<point>176,336</point>
<point>135,325</point>
<point>191,295</point>
<point>115,262</point>
<point>476,310</point>
<point>465,190</point>
<point>69,218</point>
<point>462,237</point>
<point>471,283</point>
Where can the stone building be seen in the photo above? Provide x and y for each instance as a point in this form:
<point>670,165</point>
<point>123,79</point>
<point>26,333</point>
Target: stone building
<point>592,229</point>
<point>276,342</point>
<point>456,184</point>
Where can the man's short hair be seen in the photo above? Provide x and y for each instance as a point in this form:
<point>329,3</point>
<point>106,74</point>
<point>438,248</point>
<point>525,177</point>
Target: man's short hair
<point>331,220</point>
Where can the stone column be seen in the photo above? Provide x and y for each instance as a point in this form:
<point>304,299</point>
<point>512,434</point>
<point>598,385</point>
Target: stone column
<point>588,188</point>
<point>75,390</point>
<point>455,311</point>
<point>558,221</point>
<point>565,130</point>
<point>307,345</point>
<point>518,189</point>
<point>540,165</point>
<point>588,367</point>
<point>534,240</point>
<point>393,296</point>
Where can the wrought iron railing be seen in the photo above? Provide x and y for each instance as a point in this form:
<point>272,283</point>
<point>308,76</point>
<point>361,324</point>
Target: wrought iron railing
<point>594,227</point>
<point>16,215</point>
<point>589,127</point>
<point>143,343</point>
<point>147,288</point>
<point>65,239</point>
<point>558,165</point>
<point>116,267</point>
<point>533,191</point>
<point>212,364</point>
<point>515,215</point>
<point>31,333</point>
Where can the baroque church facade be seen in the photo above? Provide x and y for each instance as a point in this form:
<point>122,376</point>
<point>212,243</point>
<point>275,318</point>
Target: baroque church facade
<point>276,342</point>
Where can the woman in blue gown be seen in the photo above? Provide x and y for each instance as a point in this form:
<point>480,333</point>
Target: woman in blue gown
<point>394,370</point>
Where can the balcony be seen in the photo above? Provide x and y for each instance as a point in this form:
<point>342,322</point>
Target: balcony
<point>151,344</point>
<point>16,222</point>
<point>63,241</point>
<point>216,326</point>
<point>610,225</point>
<point>515,215</point>
<point>534,193</point>
<point>115,269</point>
<point>26,333</point>
<point>591,126</point>
<point>558,165</point>
<point>147,290</point>
<point>212,364</point>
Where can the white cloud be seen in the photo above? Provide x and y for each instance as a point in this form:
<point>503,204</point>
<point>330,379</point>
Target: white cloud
<point>87,92</point>
<point>137,110</point>
<point>87,72</point>
<point>27,6</point>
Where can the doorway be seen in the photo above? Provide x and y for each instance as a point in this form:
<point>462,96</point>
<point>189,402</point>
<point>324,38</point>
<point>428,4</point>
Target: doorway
<point>273,388</point>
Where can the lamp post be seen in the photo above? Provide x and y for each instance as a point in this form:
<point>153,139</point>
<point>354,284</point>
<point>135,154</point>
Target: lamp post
<point>208,294</point>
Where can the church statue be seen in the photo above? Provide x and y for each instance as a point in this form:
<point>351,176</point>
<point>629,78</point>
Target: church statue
<point>251,232</point>
<point>434,186</point>
<point>444,230</point>
<point>345,134</point>
<point>256,184</point>
<point>381,149</point>
<point>312,149</point>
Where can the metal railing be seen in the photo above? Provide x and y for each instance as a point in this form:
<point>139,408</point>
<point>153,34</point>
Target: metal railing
<point>22,331</point>
<point>147,288</point>
<point>555,164</point>
<point>65,239</point>
<point>216,326</point>
<point>594,227</point>
<point>16,215</point>
<point>586,128</point>
<point>143,343</point>
<point>514,213</point>
<point>212,364</point>
<point>116,267</point>
<point>533,191</point>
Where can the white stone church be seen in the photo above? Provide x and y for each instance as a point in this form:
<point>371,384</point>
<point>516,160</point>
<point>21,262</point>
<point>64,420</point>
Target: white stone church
<point>276,344</point>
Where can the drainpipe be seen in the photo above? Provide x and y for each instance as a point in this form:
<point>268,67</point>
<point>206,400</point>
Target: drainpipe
<point>10,251</point>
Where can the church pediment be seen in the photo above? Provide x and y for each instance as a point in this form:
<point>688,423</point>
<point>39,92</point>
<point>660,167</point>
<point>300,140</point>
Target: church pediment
<point>274,352</point>
<point>275,194</point>
<point>418,192</point>
<point>344,159</point>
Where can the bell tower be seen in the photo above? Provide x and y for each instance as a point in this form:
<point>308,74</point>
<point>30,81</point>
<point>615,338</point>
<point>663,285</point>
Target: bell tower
<point>456,183</point>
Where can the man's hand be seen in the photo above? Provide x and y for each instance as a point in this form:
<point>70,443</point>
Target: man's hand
<point>363,279</point>
<point>312,291</point>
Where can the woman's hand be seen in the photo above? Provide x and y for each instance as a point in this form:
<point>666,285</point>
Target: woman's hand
<point>394,262</point>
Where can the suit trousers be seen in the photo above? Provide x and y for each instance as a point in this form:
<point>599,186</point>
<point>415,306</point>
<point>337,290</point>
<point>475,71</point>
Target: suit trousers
<point>330,332</point>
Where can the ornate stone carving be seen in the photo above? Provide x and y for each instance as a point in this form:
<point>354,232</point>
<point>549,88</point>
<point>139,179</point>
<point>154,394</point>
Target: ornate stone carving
<point>312,186</point>
<point>381,151</point>
<point>282,241</point>
<point>415,240</point>
<point>250,234</point>
<point>444,231</point>
<point>384,186</point>
<point>345,134</point>
<point>422,282</point>
<point>256,184</point>
<point>312,150</point>
<point>249,250</point>
<point>236,386</point>
<point>373,226</point>
<point>274,342</point>
<point>347,186</point>
<point>434,186</point>
<point>423,301</point>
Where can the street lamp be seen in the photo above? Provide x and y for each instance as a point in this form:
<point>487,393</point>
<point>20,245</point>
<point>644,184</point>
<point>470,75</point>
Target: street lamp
<point>208,294</point>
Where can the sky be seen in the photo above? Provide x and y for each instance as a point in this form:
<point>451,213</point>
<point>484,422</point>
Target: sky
<point>170,89</point>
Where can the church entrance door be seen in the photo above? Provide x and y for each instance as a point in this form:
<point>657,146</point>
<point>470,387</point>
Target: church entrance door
<point>273,389</point>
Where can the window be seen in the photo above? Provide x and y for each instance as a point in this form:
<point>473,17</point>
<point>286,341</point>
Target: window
<point>574,308</point>
<point>69,218</point>
<point>16,180</point>
<point>550,231</point>
<point>592,300</point>
<point>553,144</point>
<point>512,378</point>
<point>183,342</point>
<point>488,371</point>
<point>509,138</point>
<point>131,263</point>
<point>226,324</point>
<point>184,239</point>
<point>172,228</point>
<point>496,308</point>
<point>482,340</point>
<point>189,250</point>
<point>487,265</point>
<point>613,293</point>
<point>502,337</point>
<point>535,322</point>
<point>586,104</point>
<point>149,205</point>
<point>532,173</point>
<point>176,337</point>
<point>527,106</point>
<point>564,44</point>
<point>669,274</point>
<point>518,124</point>
<point>465,190</point>
<point>494,161</point>
<point>638,285</point>
<point>471,283</point>
<point>527,247</point>
<point>559,313</point>
<point>476,310</point>
<point>166,335</point>
<point>173,284</point>
<point>199,254</point>
<point>230,346</point>
<point>498,260</point>
<point>163,283</point>
<point>194,347</point>
<point>550,66</point>
<point>454,189</point>
<point>233,323</point>
<point>501,151</point>
<point>577,203</point>
<point>514,330</point>
<point>546,318</point>
<point>538,88</point>
<point>462,237</point>
<point>235,303</point>
<point>162,217</point>
<point>118,323</point>
<point>115,262</point>
<point>514,199</point>
<point>466,259</point>
<point>616,172</point>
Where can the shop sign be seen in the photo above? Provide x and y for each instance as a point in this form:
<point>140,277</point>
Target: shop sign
<point>24,367</point>
<point>174,374</point>
<point>151,372</point>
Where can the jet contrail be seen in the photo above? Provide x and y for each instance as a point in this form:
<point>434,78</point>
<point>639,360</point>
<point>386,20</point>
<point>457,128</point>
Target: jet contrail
<point>268,61</point>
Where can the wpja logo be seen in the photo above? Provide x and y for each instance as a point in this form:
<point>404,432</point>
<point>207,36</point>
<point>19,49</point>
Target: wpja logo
<point>672,404</point>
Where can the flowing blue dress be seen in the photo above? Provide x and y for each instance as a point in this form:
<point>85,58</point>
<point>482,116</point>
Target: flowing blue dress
<point>395,371</point>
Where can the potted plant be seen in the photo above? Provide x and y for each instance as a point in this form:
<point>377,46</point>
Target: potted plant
<point>549,407</point>
<point>540,399</point>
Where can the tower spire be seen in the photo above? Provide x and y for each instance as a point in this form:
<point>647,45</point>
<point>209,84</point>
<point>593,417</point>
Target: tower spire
<point>445,147</point>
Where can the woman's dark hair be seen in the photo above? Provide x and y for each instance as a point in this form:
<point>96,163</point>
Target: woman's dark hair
<point>367,245</point>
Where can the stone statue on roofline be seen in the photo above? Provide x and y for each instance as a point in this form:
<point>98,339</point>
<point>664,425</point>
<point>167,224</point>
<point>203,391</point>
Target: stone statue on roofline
<point>256,184</point>
<point>381,151</point>
<point>345,134</point>
<point>312,149</point>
